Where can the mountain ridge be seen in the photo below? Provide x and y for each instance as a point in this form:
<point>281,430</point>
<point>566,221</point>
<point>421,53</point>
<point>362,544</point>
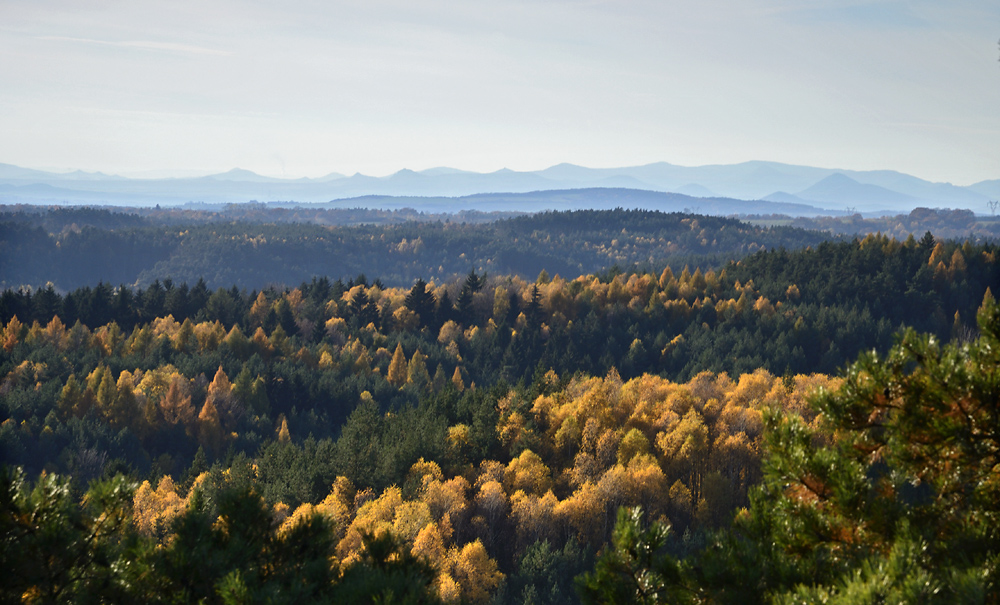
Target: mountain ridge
<point>757,180</point>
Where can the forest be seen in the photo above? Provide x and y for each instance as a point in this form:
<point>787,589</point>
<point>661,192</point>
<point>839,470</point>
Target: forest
<point>656,417</point>
<point>72,248</point>
<point>945,223</point>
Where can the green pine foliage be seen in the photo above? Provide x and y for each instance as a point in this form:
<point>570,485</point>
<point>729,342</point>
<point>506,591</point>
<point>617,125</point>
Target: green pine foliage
<point>890,497</point>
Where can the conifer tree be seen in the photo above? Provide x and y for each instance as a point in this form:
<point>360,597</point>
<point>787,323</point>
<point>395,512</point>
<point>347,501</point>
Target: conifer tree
<point>456,379</point>
<point>397,368</point>
<point>259,403</point>
<point>176,405</point>
<point>901,502</point>
<point>421,302</point>
<point>209,427</point>
<point>416,371</point>
<point>440,379</point>
<point>69,397</point>
<point>107,392</point>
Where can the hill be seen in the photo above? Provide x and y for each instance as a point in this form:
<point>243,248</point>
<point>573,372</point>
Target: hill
<point>247,251</point>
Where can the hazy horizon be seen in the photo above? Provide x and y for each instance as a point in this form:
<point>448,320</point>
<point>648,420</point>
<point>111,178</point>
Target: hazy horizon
<point>310,88</point>
<point>154,174</point>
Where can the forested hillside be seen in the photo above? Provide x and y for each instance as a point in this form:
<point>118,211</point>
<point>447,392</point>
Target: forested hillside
<point>473,438</point>
<point>945,223</point>
<point>74,248</point>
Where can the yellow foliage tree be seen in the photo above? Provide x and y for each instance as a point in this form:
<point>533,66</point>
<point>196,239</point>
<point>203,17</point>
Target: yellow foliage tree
<point>491,502</point>
<point>584,512</point>
<point>209,427</point>
<point>220,389</point>
<point>259,309</point>
<point>410,518</point>
<point>422,468</point>
<point>527,472</point>
<point>456,379</point>
<point>107,392</point>
<point>154,509</point>
<point>534,516</point>
<point>374,517</point>
<point>429,545</point>
<point>176,405</point>
<point>397,368</point>
<point>446,499</point>
<point>416,371</point>
<point>12,334</point>
<point>475,572</point>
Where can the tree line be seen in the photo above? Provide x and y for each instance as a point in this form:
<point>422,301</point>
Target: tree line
<point>73,248</point>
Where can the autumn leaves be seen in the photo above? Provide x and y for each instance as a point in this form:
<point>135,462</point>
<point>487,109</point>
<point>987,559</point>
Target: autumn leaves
<point>684,452</point>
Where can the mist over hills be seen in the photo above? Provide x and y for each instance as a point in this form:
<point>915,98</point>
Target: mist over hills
<point>774,188</point>
<point>591,198</point>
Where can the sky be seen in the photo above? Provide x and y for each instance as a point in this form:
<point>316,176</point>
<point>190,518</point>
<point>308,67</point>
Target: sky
<point>306,88</point>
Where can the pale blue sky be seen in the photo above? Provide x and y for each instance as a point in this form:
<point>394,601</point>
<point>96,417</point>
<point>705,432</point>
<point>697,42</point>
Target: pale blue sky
<point>311,87</point>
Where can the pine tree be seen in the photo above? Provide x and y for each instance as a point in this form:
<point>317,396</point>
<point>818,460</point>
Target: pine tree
<point>634,568</point>
<point>900,501</point>
<point>421,302</point>
<point>440,379</point>
<point>445,312</point>
<point>474,282</point>
<point>463,306</point>
<point>533,311</point>
<point>258,403</point>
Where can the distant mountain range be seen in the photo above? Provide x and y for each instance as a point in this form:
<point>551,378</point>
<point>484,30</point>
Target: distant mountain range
<point>773,187</point>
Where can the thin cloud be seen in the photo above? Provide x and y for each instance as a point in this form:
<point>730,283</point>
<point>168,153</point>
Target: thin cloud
<point>879,15</point>
<point>143,45</point>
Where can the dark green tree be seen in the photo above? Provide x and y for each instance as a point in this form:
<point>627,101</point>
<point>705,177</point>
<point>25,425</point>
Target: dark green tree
<point>634,567</point>
<point>229,551</point>
<point>421,302</point>
<point>894,497</point>
<point>388,573</point>
<point>55,550</point>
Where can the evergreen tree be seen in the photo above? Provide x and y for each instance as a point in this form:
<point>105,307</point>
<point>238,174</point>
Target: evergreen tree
<point>463,306</point>
<point>474,282</point>
<point>902,500</point>
<point>445,311</point>
<point>421,302</point>
<point>634,568</point>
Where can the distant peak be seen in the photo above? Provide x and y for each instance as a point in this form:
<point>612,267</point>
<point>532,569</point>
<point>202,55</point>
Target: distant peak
<point>235,173</point>
<point>838,177</point>
<point>442,170</point>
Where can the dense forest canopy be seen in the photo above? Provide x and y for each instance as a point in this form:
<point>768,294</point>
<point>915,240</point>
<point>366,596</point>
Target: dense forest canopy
<point>471,435</point>
<point>944,223</point>
<point>136,250</point>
